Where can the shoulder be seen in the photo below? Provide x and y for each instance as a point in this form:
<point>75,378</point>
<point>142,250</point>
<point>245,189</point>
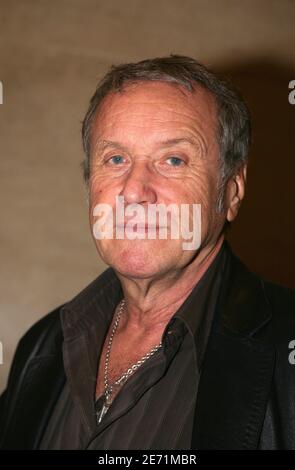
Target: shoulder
<point>281,300</point>
<point>280,296</point>
<point>46,327</point>
<point>256,301</point>
<point>282,303</point>
<point>42,338</point>
<point>45,336</point>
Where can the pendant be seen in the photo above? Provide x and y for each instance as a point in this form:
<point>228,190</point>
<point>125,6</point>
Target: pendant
<point>101,407</point>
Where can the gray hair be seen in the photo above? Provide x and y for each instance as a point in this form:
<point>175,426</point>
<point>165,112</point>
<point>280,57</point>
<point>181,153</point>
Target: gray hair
<point>234,123</point>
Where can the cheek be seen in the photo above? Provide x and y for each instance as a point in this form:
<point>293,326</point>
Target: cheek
<point>101,190</point>
<point>96,183</point>
<point>199,188</point>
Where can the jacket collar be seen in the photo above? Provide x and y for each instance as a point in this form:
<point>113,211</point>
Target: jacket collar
<point>243,305</point>
<point>238,365</point>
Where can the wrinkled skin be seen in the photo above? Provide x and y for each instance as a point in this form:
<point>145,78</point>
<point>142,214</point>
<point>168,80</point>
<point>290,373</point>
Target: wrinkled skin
<point>157,143</point>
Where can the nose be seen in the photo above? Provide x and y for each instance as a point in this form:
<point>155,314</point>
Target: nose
<point>137,185</point>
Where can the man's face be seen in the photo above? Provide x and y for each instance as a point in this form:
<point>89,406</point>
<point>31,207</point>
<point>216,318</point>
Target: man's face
<point>155,143</point>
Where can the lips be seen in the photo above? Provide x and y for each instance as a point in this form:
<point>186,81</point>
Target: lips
<point>137,227</point>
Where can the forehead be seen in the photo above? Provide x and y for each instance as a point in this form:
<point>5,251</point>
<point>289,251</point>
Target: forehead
<point>157,107</point>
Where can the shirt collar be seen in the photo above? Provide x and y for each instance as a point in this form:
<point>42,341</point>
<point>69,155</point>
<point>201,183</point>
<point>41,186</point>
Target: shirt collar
<point>203,295</point>
<point>94,306</point>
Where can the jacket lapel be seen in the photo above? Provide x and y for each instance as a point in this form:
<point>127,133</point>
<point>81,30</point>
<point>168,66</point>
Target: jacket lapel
<point>238,365</point>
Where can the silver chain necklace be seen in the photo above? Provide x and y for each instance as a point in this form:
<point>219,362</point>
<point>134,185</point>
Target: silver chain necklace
<point>104,402</point>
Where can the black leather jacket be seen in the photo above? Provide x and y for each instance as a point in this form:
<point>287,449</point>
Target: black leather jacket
<point>246,396</point>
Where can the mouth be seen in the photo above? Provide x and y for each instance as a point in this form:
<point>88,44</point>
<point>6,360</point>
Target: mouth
<point>140,227</point>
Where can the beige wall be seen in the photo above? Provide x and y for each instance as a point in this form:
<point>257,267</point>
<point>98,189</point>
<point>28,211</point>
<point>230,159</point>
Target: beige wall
<point>51,55</point>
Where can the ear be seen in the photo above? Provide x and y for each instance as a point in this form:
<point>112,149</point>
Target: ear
<point>235,192</point>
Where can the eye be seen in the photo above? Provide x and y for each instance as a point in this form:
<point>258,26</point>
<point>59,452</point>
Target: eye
<point>116,160</point>
<point>175,161</point>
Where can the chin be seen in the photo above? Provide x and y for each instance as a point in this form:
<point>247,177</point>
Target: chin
<point>138,260</point>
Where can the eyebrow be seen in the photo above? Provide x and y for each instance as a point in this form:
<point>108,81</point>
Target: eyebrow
<point>180,140</point>
<point>101,145</point>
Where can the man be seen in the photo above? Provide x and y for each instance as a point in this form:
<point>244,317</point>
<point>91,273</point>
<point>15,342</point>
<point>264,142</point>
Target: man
<point>170,348</point>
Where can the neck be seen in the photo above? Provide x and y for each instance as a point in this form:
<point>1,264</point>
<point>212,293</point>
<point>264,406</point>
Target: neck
<point>151,303</point>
